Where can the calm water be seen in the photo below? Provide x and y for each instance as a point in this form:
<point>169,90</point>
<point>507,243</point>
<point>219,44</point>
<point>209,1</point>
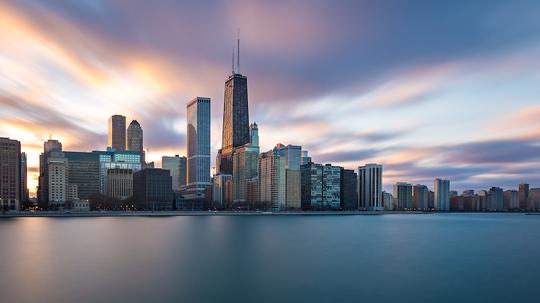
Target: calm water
<point>391,258</point>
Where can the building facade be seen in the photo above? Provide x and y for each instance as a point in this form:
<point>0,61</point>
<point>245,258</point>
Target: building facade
<point>403,195</point>
<point>117,133</point>
<point>152,189</point>
<point>511,199</point>
<point>198,147</point>
<point>23,191</point>
<point>523,193</point>
<point>84,172</point>
<point>177,166</point>
<point>58,179</point>
<point>349,187</point>
<point>272,180</point>
<point>292,154</point>
<point>420,197</point>
<point>442,194</point>
<point>135,138</point>
<point>222,191</point>
<point>370,187</point>
<point>112,159</point>
<point>43,181</point>
<point>10,174</point>
<point>119,183</point>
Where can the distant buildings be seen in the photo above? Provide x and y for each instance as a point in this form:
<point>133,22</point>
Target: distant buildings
<point>511,199</point>
<point>420,197</point>
<point>198,147</point>
<point>370,187</point>
<point>43,187</point>
<point>523,196</point>
<point>403,195</point>
<point>388,201</point>
<point>58,179</point>
<point>292,156</point>
<point>177,166</point>
<point>442,194</point>
<point>534,199</point>
<point>152,189</point>
<point>112,159</point>
<point>272,180</point>
<point>117,133</point>
<point>23,184</point>
<point>10,171</point>
<point>245,168</point>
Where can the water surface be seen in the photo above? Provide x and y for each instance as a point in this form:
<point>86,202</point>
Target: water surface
<point>390,258</point>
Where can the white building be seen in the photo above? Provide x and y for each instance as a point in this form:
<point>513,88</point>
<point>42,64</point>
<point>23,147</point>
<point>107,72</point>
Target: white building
<point>58,179</point>
<point>370,187</point>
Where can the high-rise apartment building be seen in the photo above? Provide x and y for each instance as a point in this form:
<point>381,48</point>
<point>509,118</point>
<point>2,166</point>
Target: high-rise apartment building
<point>420,197</point>
<point>370,187</point>
<point>272,180</point>
<point>388,201</point>
<point>43,182</point>
<point>523,193</point>
<point>321,186</point>
<point>117,133</point>
<point>177,166</point>
<point>198,147</point>
<point>403,195</point>
<point>222,190</point>
<point>511,199</point>
<point>442,194</point>
<point>293,158</point>
<point>245,168</point>
<point>58,179</point>
<point>331,186</point>
<point>10,174</point>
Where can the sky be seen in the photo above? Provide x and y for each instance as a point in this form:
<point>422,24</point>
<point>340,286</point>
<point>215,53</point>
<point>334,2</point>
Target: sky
<point>447,89</point>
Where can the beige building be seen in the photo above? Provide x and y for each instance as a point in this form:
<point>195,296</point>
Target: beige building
<point>119,183</point>
<point>58,179</point>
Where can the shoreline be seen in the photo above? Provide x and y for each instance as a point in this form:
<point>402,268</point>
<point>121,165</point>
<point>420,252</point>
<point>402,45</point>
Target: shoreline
<point>225,213</point>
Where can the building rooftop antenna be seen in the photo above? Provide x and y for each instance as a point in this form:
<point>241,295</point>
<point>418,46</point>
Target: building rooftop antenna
<point>238,53</point>
<point>233,60</point>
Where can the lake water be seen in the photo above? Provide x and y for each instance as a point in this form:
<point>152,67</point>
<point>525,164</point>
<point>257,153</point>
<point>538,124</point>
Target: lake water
<point>389,258</point>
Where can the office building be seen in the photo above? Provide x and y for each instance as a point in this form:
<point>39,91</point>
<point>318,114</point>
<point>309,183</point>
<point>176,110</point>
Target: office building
<point>177,166</point>
<point>111,159</point>
<point>370,187</point>
<point>84,173</point>
<point>152,189</point>
<point>420,197</point>
<point>349,187</point>
<point>10,174</point>
<point>496,201</point>
<point>305,157</point>
<point>442,194</point>
<point>119,183</point>
<point>403,195</point>
<point>198,148</point>
<point>135,138</point>
<point>222,191</point>
<point>117,133</point>
<point>534,199</point>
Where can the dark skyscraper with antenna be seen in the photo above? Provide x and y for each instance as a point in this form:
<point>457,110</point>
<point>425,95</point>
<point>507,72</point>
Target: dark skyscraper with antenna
<point>235,116</point>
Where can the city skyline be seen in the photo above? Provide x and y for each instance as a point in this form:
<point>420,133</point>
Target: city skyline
<point>464,113</point>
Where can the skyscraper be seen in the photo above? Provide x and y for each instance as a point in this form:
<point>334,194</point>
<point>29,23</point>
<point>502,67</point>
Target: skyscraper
<point>442,194</point>
<point>198,147</point>
<point>293,158</point>
<point>117,133</point>
<point>135,137</point>
<point>321,186</point>
<point>370,187</point>
<point>43,185</point>
<point>235,117</point>
<point>177,167</point>
<point>58,179</point>
<point>272,180</point>
<point>10,160</point>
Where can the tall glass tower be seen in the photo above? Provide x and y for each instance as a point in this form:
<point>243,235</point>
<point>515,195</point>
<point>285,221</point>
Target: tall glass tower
<point>198,146</point>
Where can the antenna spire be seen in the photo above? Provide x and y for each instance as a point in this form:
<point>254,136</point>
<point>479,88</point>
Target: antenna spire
<point>238,53</point>
<point>233,60</point>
